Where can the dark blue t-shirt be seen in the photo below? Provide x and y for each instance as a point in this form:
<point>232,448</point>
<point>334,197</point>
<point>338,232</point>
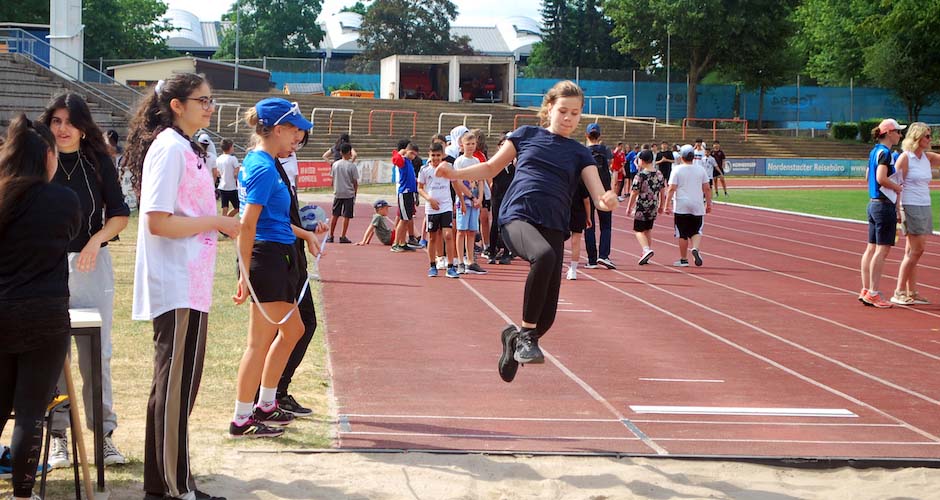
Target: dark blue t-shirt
<point>879,155</point>
<point>259,183</point>
<point>548,167</point>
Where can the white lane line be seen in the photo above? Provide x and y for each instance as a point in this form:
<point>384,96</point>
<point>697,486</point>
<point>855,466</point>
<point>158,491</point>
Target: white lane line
<point>514,437</point>
<point>801,441</point>
<point>775,424</point>
<point>761,357</point>
<point>573,310</point>
<point>690,380</point>
<point>509,419</point>
<point>744,411</point>
<point>800,278</point>
<point>788,307</point>
<point>584,385</point>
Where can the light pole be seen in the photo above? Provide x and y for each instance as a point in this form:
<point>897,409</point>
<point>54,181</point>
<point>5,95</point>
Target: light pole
<point>237,19</point>
<point>668,64</point>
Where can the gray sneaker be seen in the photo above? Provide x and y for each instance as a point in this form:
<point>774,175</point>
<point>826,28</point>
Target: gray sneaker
<point>111,454</point>
<point>59,454</point>
<point>461,268</point>
<point>527,349</point>
<point>475,269</point>
<point>606,263</point>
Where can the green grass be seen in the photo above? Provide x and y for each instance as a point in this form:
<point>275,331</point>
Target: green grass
<point>132,370</point>
<point>843,203</point>
<point>383,189</point>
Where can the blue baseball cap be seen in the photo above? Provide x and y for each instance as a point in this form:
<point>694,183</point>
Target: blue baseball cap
<point>379,204</point>
<point>593,127</point>
<point>276,111</point>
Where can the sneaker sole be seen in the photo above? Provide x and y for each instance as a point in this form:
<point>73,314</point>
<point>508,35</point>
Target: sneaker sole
<point>607,266</point>
<point>646,258</point>
<point>697,257</point>
<point>506,358</point>
<point>255,436</point>
<point>477,272</point>
<point>298,414</point>
<point>118,461</point>
<point>276,424</point>
<point>533,361</point>
<point>59,465</point>
<point>865,302</point>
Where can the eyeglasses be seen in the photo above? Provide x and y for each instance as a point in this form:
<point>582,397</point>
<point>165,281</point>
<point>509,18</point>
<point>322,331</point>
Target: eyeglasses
<point>207,102</point>
<point>294,110</point>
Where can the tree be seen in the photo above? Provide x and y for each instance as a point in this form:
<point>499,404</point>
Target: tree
<point>770,61</point>
<point>829,38</point>
<point>124,29</point>
<point>24,11</point>
<point>704,33</point>
<point>284,28</point>
<point>410,27</point>
<point>359,8</point>
<point>902,53</point>
<point>576,34</point>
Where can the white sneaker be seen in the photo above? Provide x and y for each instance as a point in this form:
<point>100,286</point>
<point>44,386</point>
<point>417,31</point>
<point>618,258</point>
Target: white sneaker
<point>572,273</point>
<point>59,454</point>
<point>647,255</point>
<point>441,263</point>
<point>111,454</point>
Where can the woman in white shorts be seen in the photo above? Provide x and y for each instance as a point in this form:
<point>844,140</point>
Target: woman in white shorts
<point>916,164</point>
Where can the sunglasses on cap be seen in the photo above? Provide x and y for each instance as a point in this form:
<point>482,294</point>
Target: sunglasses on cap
<point>294,110</point>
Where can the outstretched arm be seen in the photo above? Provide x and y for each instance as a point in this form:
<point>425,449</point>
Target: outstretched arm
<point>480,171</point>
<point>603,200</point>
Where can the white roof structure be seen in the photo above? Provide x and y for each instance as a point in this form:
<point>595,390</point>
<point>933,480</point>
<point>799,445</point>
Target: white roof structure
<point>512,36</point>
<point>190,34</point>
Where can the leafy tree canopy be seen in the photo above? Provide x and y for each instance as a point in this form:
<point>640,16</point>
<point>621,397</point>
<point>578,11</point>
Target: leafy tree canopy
<point>410,27</point>
<point>284,28</point>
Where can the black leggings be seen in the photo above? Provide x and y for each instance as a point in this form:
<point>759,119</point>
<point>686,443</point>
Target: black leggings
<point>27,380</point>
<point>545,250</point>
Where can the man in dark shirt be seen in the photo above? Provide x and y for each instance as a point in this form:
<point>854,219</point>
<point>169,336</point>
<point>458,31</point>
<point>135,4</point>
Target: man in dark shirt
<point>664,159</point>
<point>719,173</point>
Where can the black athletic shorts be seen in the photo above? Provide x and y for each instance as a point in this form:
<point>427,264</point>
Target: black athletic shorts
<point>273,271</point>
<point>688,225</point>
<point>443,220</point>
<point>406,205</point>
<point>578,221</point>
<point>343,207</point>
<point>229,198</point>
<point>716,172</point>
<point>487,203</point>
<point>642,225</point>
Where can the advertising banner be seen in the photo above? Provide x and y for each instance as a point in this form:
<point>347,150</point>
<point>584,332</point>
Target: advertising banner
<point>815,167</point>
<point>745,166</point>
<point>313,174</point>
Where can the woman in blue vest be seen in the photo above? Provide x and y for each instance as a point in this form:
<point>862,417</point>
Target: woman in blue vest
<point>883,192</point>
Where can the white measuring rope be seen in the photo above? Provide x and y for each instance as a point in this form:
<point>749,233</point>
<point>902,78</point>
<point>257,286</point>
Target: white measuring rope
<point>251,290</point>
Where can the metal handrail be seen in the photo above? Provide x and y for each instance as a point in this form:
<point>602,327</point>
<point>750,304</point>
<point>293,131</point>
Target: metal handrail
<point>715,122</point>
<point>607,98</point>
<point>515,119</point>
<point>20,37</point>
<point>628,119</point>
<point>218,115</point>
<point>489,120</point>
<point>334,110</point>
<point>391,119</point>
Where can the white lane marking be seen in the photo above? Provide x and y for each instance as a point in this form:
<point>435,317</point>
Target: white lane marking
<point>807,280</point>
<point>584,385</point>
<point>457,417</point>
<point>744,411</point>
<point>690,380</point>
<point>515,437</point>
<point>754,354</point>
<point>791,308</point>
<point>801,441</point>
<point>775,424</point>
<point>573,310</point>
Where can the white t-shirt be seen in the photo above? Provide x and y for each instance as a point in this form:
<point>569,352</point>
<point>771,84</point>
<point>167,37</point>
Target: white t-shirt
<point>710,164</point>
<point>437,188</point>
<point>917,182</point>
<point>174,273</point>
<point>461,162</point>
<point>689,197</point>
<point>227,165</point>
<point>291,168</point>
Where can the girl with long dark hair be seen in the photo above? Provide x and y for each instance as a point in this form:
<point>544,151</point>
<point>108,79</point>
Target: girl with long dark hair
<point>86,167</point>
<point>38,220</point>
<point>176,249</point>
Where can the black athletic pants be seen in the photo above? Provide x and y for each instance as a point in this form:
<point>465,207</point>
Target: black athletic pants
<point>309,318</point>
<point>496,239</point>
<point>605,221</point>
<point>27,381</point>
<point>545,250</point>
<point>179,340</point>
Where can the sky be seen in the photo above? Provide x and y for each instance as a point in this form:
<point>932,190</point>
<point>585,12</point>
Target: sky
<point>468,10</point>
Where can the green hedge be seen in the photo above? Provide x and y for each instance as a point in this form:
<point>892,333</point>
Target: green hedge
<point>865,126</point>
<point>845,130</point>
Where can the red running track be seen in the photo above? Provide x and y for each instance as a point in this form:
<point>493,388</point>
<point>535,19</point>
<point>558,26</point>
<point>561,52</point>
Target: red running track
<point>762,352</point>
